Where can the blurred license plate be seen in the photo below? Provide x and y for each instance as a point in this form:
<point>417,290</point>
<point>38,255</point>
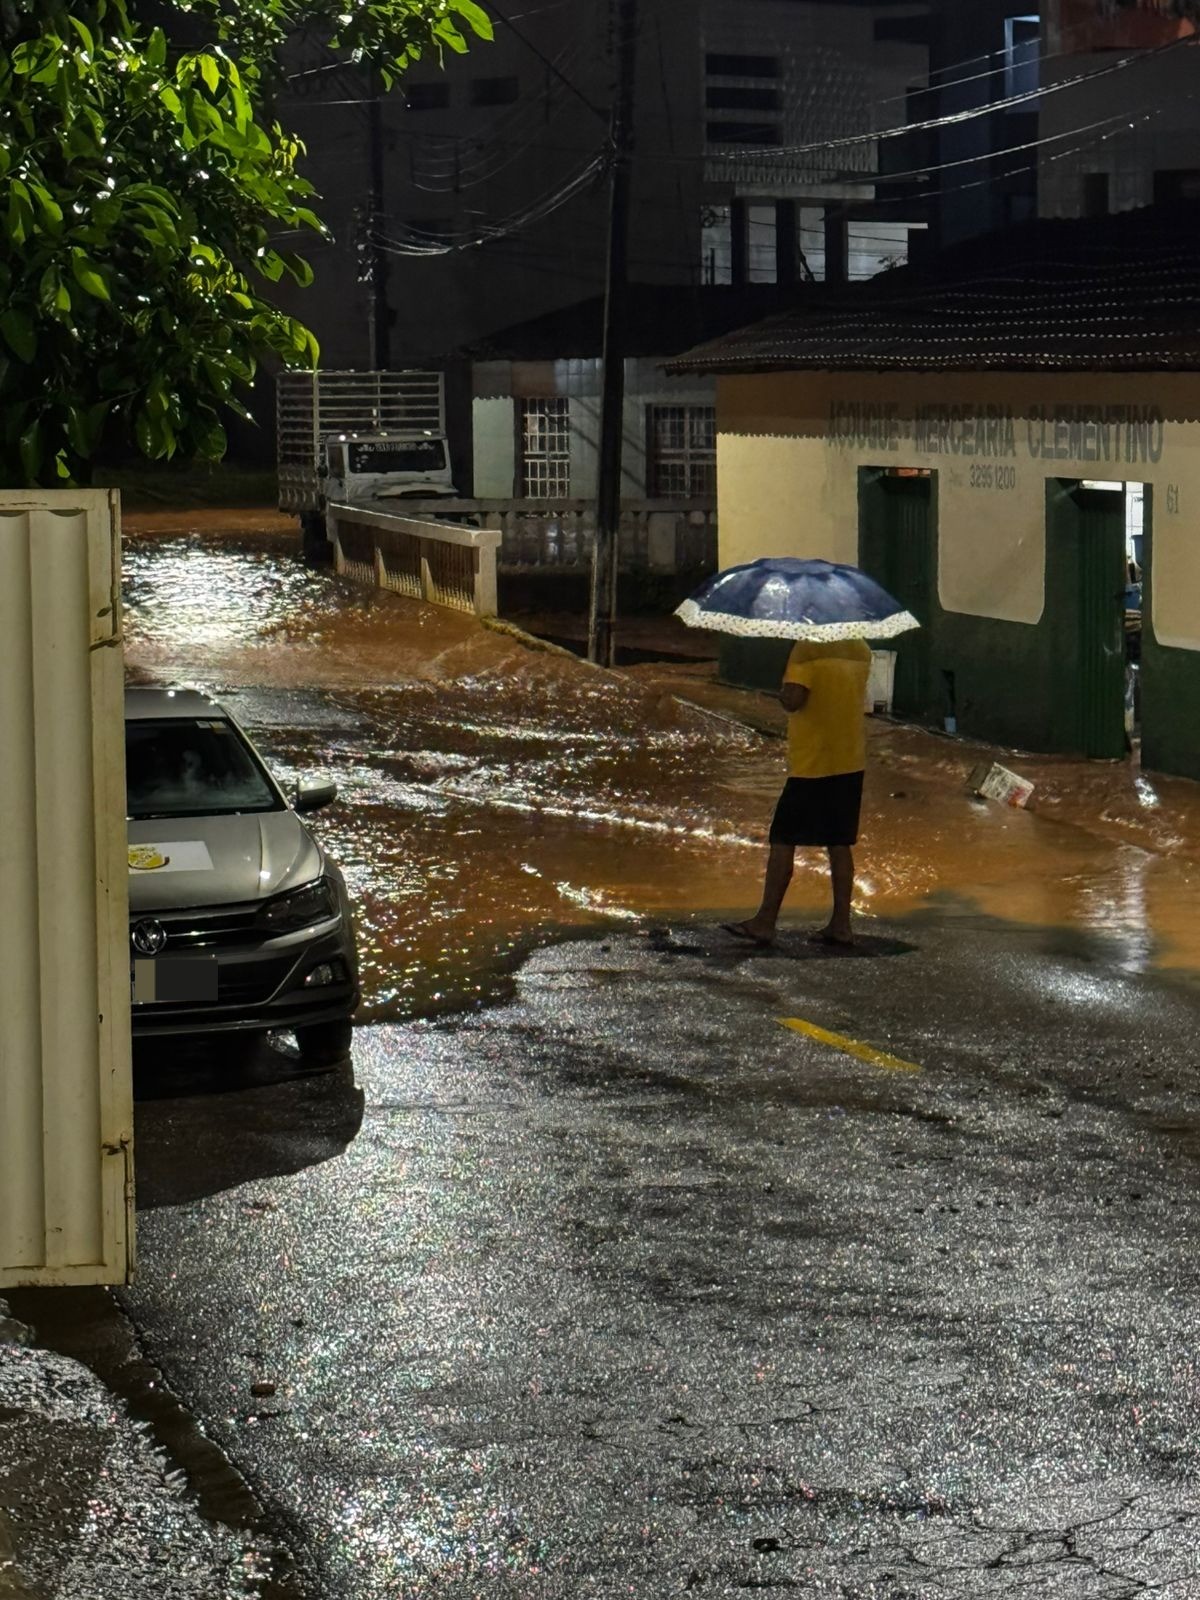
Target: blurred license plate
<point>174,980</point>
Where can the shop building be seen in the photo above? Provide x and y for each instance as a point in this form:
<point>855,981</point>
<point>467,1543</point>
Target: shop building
<point>995,436</point>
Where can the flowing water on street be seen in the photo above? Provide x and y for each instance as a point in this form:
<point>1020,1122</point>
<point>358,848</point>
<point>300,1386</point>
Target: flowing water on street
<point>489,792</point>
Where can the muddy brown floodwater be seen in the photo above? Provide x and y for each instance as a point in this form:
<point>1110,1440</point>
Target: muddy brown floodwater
<point>489,793</point>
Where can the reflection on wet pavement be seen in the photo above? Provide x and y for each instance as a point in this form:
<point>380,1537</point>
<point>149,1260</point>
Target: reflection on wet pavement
<point>489,793</point>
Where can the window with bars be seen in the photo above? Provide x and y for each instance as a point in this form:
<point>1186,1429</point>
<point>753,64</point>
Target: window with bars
<point>546,449</point>
<point>683,452</point>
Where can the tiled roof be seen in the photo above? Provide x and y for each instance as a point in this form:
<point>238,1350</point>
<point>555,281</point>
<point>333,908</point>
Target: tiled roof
<point>1108,294</point>
<point>661,321</point>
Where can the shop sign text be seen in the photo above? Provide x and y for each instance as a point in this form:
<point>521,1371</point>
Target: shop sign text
<point>1121,434</point>
<point>1096,433</point>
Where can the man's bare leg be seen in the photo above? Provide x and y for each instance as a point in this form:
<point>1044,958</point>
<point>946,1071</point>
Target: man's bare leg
<point>781,863</point>
<point>841,872</point>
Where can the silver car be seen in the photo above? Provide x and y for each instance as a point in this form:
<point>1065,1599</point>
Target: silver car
<point>238,918</point>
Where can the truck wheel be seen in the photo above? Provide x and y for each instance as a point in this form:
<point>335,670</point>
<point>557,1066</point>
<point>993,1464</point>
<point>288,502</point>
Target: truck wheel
<point>314,541</point>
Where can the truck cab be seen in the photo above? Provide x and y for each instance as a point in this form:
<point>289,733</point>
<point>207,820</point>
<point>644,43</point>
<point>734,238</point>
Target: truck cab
<point>387,466</point>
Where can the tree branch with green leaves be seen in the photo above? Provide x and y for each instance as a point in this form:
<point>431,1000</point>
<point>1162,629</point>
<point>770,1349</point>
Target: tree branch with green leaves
<point>144,189</point>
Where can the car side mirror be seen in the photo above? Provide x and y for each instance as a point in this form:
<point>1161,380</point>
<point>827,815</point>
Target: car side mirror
<point>313,793</point>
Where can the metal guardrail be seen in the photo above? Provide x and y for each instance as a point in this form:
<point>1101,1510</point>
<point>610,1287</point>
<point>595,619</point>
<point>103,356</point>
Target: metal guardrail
<point>445,563</point>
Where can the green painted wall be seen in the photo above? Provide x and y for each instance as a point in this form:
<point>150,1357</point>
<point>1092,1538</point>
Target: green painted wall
<point>790,449</point>
<point>1009,683</point>
<point>753,663</point>
<point>1170,690</point>
<point>1170,710</point>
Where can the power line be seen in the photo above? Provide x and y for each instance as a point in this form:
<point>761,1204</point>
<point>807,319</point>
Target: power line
<point>773,153</point>
<point>420,243</point>
<point>874,179</point>
<point>938,84</point>
<point>848,177</point>
<point>745,155</point>
<point>494,9</point>
<point>955,118</point>
<point>447,172</point>
<point>997,178</point>
<point>510,250</point>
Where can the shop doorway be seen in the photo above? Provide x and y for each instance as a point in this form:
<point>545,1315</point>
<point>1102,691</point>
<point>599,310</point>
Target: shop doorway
<point>897,546</point>
<point>1090,588</point>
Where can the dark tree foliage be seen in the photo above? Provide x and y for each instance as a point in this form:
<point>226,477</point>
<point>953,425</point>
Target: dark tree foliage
<point>145,187</point>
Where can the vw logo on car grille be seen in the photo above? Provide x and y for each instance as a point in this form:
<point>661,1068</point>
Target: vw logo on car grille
<point>149,937</point>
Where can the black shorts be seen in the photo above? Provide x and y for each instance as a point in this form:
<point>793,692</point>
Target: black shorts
<point>819,811</point>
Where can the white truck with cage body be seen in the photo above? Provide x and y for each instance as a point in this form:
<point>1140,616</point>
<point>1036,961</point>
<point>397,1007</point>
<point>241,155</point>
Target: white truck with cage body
<point>362,437</point>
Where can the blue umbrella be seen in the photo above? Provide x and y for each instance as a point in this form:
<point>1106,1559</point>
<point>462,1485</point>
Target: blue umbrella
<point>780,597</point>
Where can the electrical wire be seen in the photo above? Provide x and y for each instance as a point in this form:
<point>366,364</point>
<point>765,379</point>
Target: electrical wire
<point>745,155</point>
<point>420,243</point>
<point>775,153</point>
<point>495,11</point>
<point>449,173</point>
<point>937,84</point>
<point>874,178</point>
<point>742,156</point>
<point>316,72</point>
<point>512,251</point>
<point>956,118</point>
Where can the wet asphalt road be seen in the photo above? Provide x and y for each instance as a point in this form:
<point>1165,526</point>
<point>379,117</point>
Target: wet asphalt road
<point>622,1288</point>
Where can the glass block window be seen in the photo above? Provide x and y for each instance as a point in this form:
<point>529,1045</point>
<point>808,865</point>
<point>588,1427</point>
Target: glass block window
<point>546,449</point>
<point>683,452</point>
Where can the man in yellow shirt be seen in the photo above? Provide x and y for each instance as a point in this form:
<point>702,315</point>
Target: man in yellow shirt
<point>824,693</point>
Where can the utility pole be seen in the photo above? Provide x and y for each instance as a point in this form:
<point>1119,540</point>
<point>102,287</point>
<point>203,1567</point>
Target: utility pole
<point>606,551</point>
<point>376,257</point>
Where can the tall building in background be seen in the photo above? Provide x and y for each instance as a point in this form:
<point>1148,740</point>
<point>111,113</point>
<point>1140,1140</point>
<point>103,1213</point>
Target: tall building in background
<point>788,189</point>
<point>779,143</point>
<point>1130,135</point>
<point>731,95</point>
<point>983,53</point>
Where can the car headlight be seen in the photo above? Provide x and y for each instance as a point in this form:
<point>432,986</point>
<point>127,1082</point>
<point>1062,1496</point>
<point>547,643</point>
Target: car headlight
<point>316,902</point>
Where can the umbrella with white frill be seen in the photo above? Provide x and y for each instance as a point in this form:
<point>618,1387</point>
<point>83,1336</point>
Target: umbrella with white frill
<point>783,597</point>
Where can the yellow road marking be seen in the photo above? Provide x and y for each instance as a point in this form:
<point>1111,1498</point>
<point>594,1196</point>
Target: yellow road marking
<point>850,1047</point>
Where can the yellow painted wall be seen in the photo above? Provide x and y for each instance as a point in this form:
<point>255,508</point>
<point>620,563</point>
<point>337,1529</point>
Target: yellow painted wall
<point>790,445</point>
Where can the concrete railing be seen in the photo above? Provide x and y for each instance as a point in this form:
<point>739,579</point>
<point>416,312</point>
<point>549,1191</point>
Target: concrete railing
<point>657,536</point>
<point>445,563</point>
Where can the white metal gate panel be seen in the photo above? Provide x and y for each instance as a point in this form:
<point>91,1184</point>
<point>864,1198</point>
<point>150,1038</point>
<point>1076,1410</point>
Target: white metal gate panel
<point>66,1103</point>
<point>310,406</point>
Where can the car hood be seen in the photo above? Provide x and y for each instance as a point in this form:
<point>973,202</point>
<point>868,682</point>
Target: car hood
<point>209,861</point>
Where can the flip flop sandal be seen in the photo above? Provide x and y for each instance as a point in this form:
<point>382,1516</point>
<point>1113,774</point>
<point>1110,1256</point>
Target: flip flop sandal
<point>739,930</point>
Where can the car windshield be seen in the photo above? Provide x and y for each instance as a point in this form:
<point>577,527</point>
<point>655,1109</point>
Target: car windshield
<point>412,455</point>
<point>180,768</point>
